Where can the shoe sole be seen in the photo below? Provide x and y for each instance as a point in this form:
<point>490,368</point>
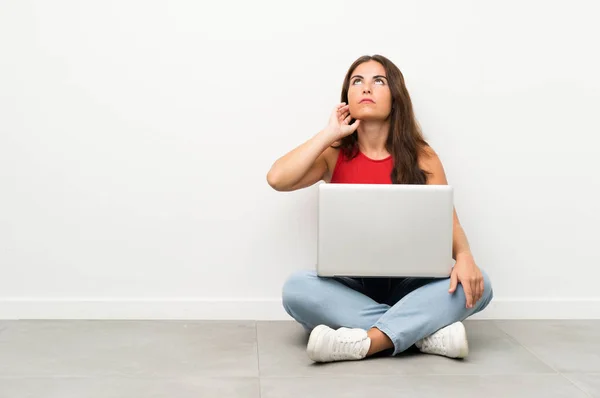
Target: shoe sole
<point>316,336</point>
<point>459,338</point>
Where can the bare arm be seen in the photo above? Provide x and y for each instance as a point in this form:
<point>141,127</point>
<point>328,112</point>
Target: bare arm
<point>301,167</point>
<point>460,244</point>
<point>306,164</point>
<point>465,270</point>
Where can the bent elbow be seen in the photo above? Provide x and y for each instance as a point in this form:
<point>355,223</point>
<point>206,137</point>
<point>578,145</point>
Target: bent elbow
<point>274,181</point>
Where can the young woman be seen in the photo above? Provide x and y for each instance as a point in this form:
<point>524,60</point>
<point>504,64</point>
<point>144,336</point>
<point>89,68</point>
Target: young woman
<point>373,137</point>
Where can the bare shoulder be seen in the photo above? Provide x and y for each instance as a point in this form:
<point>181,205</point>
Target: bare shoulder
<point>428,157</point>
<point>430,162</point>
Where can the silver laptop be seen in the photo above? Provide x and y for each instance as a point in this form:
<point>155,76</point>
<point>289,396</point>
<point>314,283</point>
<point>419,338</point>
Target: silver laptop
<point>385,230</point>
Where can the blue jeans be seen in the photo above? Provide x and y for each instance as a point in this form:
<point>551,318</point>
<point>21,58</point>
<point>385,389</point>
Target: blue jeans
<point>405,309</point>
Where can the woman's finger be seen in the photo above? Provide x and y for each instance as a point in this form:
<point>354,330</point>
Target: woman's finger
<point>468,294</point>
<point>475,291</point>
<point>477,294</point>
<point>453,282</point>
<point>481,288</point>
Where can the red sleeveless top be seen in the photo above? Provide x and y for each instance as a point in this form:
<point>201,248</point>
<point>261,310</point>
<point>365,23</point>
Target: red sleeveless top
<point>362,170</point>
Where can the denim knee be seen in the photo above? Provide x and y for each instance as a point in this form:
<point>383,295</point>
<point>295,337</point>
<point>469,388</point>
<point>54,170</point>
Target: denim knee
<point>488,291</point>
<point>295,290</point>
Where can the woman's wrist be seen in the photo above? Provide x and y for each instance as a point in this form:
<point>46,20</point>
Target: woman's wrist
<point>464,255</point>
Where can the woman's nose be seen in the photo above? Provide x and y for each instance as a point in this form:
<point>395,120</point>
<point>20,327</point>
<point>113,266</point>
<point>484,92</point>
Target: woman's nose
<point>366,89</point>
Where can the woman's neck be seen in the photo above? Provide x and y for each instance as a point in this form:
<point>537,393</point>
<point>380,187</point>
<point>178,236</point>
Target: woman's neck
<point>372,137</point>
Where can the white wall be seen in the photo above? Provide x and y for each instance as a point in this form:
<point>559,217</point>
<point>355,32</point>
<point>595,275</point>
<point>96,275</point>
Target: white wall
<point>135,138</point>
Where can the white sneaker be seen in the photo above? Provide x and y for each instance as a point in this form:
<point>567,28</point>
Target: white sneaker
<point>344,344</point>
<point>450,341</point>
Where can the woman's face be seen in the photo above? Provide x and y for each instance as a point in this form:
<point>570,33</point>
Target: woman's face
<point>369,94</point>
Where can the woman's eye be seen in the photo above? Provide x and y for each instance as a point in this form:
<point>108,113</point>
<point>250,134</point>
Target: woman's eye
<point>379,81</point>
<point>356,81</point>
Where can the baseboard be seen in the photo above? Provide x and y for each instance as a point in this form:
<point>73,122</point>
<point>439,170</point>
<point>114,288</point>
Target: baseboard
<point>117,308</point>
<point>542,308</point>
<point>256,309</point>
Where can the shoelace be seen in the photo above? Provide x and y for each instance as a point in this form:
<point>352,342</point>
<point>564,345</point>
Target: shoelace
<point>343,347</point>
<point>435,342</point>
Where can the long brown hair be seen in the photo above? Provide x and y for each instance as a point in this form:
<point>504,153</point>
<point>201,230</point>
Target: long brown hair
<point>405,140</point>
